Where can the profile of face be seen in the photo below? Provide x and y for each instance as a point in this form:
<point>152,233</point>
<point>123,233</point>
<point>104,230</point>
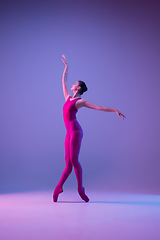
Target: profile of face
<point>75,87</point>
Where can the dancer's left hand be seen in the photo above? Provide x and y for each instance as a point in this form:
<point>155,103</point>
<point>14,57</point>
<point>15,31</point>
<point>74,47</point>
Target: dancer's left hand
<point>120,114</point>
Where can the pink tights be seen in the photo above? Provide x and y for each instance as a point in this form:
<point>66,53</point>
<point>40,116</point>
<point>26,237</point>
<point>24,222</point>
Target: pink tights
<point>72,148</point>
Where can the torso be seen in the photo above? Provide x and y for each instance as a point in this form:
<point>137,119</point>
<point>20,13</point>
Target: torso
<point>78,103</point>
<point>70,109</point>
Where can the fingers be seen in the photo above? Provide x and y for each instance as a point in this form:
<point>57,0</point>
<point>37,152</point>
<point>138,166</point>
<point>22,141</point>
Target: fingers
<point>120,115</point>
<point>123,117</point>
<point>63,56</point>
<point>63,61</point>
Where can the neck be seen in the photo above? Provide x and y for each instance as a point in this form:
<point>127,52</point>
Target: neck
<point>76,95</point>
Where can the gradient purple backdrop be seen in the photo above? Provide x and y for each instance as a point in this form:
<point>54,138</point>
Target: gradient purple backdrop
<point>114,47</point>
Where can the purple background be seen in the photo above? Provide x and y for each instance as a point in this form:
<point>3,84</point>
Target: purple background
<point>114,46</point>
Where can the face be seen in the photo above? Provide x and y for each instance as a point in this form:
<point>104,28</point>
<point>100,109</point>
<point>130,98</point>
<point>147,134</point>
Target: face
<point>75,87</point>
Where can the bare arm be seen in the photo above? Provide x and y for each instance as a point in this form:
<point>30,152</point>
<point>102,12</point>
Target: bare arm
<point>64,78</point>
<point>84,103</point>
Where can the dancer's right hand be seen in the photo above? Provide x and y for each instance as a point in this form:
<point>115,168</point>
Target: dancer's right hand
<point>64,59</point>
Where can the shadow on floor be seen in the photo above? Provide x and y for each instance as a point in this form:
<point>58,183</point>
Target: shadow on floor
<point>151,203</point>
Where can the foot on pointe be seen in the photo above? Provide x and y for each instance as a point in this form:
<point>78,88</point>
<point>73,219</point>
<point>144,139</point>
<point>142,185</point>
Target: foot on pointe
<point>57,191</point>
<point>83,195</point>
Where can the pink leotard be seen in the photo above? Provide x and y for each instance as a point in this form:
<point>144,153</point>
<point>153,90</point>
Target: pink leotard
<point>69,115</point>
<point>69,109</point>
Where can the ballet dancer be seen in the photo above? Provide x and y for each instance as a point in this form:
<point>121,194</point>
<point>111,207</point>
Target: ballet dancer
<point>74,132</point>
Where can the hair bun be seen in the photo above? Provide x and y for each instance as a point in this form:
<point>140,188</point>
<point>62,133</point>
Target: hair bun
<point>83,87</point>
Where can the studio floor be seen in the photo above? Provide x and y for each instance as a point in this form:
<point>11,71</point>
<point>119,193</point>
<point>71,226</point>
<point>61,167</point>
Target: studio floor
<point>109,216</point>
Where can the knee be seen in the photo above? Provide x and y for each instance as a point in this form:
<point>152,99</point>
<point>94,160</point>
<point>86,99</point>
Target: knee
<point>75,164</point>
<point>69,167</point>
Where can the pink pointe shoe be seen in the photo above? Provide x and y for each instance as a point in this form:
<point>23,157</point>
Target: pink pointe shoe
<point>57,191</point>
<point>83,195</point>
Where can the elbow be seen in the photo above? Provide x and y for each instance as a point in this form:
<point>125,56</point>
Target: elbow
<point>100,108</point>
<point>105,109</point>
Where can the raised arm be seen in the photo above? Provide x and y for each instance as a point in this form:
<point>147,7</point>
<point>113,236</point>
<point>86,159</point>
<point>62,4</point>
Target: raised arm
<point>64,78</point>
<point>83,103</point>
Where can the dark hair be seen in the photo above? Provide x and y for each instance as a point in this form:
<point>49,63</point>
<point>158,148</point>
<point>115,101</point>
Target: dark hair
<point>83,87</point>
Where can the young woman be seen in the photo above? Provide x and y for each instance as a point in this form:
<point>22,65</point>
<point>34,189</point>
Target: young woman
<point>74,132</point>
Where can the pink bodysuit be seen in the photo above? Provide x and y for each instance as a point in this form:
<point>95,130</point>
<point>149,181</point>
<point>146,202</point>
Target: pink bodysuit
<point>70,121</point>
<point>72,147</point>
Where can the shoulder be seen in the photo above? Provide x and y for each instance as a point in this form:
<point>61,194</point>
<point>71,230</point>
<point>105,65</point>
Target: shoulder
<point>68,97</point>
<point>80,103</point>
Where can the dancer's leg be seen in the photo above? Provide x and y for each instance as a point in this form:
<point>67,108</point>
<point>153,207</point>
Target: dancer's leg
<point>67,171</point>
<point>68,168</point>
<point>75,144</point>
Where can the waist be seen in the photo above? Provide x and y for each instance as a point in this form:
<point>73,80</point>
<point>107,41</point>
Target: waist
<point>69,118</point>
<point>73,125</point>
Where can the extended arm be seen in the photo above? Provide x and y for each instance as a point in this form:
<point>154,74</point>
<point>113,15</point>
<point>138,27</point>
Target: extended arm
<point>64,78</point>
<point>84,103</point>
